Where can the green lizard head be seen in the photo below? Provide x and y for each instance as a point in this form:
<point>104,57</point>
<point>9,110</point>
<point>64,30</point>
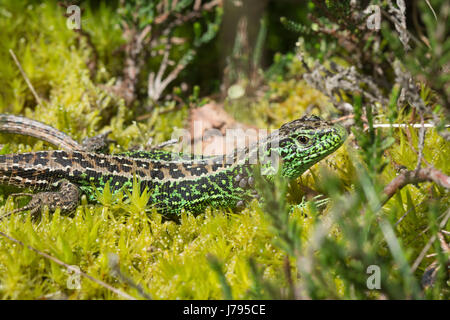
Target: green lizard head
<point>303,142</point>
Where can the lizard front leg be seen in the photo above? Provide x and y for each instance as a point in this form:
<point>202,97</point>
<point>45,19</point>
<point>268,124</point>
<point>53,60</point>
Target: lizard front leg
<point>247,183</point>
<point>66,198</point>
<point>98,143</point>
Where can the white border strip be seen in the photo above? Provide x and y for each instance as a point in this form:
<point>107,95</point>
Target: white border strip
<point>402,125</point>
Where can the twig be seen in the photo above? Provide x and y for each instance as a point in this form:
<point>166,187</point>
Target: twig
<point>139,45</point>
<point>290,281</point>
<point>411,145</point>
<point>69,267</point>
<point>416,176</point>
<point>133,64</point>
<point>181,19</point>
<point>406,213</point>
<point>389,125</point>
<point>423,232</point>
<point>415,19</point>
<point>429,243</point>
<point>347,79</point>
<point>343,118</point>
<point>445,247</point>
<point>165,144</point>
<point>115,268</point>
<point>27,80</point>
<point>400,27</point>
<point>399,19</point>
<point>197,4</point>
<point>432,10</point>
<point>430,274</point>
<point>156,85</point>
<point>404,125</point>
<point>421,142</point>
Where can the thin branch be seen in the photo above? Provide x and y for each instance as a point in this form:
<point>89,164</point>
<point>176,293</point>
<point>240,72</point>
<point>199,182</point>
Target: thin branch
<point>163,66</point>
<point>432,10</point>
<point>398,16</point>
<point>416,176</point>
<point>429,243</point>
<point>113,260</point>
<point>421,142</point>
<point>173,74</point>
<point>445,247</point>
<point>156,85</point>
<point>69,267</point>
<point>400,27</point>
<point>181,19</point>
<point>423,231</point>
<point>290,281</point>
<point>197,4</point>
<point>406,213</point>
<point>404,125</point>
<point>27,80</point>
<point>164,144</point>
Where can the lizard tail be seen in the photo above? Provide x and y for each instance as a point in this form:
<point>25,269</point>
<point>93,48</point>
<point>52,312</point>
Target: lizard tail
<point>26,170</point>
<point>28,127</point>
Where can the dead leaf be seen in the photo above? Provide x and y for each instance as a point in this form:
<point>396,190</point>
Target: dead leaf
<point>215,132</point>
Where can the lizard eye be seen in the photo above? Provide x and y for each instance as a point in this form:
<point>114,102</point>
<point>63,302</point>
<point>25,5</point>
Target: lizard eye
<point>303,139</point>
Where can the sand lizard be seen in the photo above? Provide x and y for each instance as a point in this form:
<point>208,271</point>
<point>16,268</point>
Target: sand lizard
<point>174,181</point>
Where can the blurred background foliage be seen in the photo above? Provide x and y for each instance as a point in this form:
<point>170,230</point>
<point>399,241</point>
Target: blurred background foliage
<point>139,68</point>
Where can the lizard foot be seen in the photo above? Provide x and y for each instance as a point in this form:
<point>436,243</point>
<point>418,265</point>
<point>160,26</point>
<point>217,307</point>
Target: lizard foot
<point>98,143</point>
<point>66,198</point>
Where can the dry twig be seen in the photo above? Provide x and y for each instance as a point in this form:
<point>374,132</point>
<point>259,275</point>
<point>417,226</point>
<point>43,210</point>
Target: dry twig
<point>69,267</point>
<point>429,243</point>
<point>416,176</point>
<point>27,80</point>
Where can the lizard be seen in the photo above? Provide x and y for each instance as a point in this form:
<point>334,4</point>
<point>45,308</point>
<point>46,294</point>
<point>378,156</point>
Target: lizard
<point>175,182</point>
